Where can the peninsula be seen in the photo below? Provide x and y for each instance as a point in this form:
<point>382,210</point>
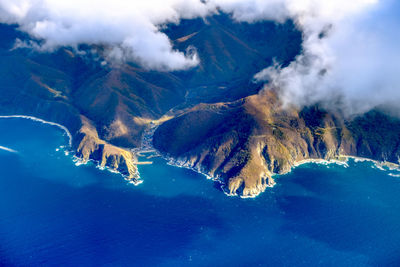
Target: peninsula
<point>212,118</point>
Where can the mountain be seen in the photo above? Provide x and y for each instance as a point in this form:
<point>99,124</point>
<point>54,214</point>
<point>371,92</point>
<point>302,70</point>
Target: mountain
<point>212,118</point>
<point>243,143</point>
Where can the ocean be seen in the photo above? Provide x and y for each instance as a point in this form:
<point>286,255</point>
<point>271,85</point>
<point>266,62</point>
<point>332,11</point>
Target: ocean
<point>53,213</point>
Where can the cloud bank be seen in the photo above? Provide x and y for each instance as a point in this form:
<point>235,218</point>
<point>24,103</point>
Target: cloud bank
<point>349,60</point>
<point>128,29</point>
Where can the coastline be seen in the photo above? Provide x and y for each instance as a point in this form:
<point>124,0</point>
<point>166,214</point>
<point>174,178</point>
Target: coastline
<point>135,181</point>
<point>44,122</point>
<point>378,164</point>
<point>75,159</point>
<point>320,162</point>
<point>180,163</point>
<point>147,147</point>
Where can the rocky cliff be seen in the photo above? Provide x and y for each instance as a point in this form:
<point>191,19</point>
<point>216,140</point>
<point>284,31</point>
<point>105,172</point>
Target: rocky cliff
<point>245,142</point>
<point>91,147</point>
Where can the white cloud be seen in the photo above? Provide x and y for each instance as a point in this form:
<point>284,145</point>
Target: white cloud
<point>353,68</point>
<point>355,62</point>
<point>130,28</point>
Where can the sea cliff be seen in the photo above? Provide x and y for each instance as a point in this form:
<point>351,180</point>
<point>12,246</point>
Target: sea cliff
<point>91,147</point>
<point>244,143</point>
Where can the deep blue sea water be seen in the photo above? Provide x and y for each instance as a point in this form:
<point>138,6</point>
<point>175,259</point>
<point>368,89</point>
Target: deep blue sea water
<point>54,213</point>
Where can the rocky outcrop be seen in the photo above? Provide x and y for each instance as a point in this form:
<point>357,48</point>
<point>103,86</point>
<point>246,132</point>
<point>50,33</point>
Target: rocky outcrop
<point>244,143</point>
<point>91,147</point>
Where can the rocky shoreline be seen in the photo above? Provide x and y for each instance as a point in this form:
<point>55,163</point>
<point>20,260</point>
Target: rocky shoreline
<point>245,143</point>
<point>129,172</point>
<point>124,161</point>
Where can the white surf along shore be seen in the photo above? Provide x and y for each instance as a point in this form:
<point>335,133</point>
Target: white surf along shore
<point>182,163</point>
<point>8,149</point>
<point>75,159</point>
<point>148,148</point>
<point>381,165</point>
<point>42,121</point>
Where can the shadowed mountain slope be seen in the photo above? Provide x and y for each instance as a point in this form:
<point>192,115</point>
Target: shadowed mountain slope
<point>231,53</point>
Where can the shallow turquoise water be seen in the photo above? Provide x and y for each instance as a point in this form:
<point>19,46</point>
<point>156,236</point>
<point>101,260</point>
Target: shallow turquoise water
<point>55,213</point>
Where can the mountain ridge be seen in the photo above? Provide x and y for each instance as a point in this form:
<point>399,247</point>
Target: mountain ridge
<point>212,118</point>
<point>246,144</point>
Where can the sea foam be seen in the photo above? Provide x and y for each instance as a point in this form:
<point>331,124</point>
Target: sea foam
<point>42,121</point>
<point>8,149</point>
